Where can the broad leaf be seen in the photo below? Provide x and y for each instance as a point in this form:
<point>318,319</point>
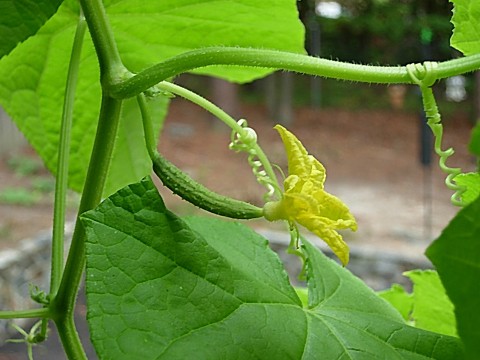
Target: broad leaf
<point>432,309</point>
<point>20,19</point>
<point>456,255</point>
<point>159,287</point>
<point>32,77</point>
<point>361,324</point>
<point>466,33</point>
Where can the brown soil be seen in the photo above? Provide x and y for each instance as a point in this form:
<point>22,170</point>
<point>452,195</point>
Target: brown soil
<point>371,158</point>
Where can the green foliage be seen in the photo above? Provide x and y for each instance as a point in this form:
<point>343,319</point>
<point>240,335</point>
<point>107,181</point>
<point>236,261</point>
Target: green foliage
<point>466,34</point>
<point>176,285</point>
<point>19,196</point>
<point>22,19</point>
<point>24,165</point>
<point>392,32</point>
<point>431,309</point>
<point>472,183</point>
<point>163,287</point>
<point>456,255</point>
<point>33,75</point>
<point>474,144</point>
<point>400,300</point>
<point>43,185</point>
<point>427,307</point>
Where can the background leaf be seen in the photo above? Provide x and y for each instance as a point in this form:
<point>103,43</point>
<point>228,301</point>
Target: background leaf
<point>474,144</point>
<point>432,309</point>
<point>466,32</point>
<point>210,289</point>
<point>400,299</point>
<point>472,182</point>
<point>456,255</point>
<point>32,77</point>
<point>428,306</point>
<point>20,19</point>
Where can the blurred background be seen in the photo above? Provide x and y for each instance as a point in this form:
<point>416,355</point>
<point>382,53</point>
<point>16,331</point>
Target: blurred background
<point>372,140</point>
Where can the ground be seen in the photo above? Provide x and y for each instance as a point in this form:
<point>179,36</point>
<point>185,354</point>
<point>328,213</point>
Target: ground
<point>371,157</point>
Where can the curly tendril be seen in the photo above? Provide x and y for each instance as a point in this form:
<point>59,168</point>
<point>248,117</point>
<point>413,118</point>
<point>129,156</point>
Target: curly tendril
<point>30,338</point>
<point>246,141</point>
<point>424,76</point>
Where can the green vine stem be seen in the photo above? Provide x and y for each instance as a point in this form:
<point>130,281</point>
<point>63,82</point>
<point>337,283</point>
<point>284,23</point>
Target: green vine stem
<point>147,122</point>
<point>279,60</point>
<point>111,66</point>
<point>41,313</point>
<point>60,187</point>
<point>63,156</point>
<point>64,303</point>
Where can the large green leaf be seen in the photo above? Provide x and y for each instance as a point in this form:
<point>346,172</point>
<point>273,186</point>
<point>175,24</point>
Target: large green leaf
<point>32,76</point>
<point>466,32</point>
<point>456,255</point>
<point>159,287</point>
<point>20,19</point>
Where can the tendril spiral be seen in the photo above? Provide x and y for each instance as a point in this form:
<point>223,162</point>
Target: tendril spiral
<point>246,141</point>
<point>424,77</point>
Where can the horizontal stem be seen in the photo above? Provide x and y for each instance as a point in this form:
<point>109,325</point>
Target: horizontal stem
<point>25,314</point>
<point>274,59</point>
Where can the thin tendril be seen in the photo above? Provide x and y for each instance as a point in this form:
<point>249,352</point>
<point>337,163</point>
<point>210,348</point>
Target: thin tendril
<point>424,76</point>
<point>246,141</point>
<point>29,338</point>
<point>244,133</point>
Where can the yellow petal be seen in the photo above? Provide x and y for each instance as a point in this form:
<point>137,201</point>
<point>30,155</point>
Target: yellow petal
<point>300,163</point>
<point>332,208</point>
<point>333,239</point>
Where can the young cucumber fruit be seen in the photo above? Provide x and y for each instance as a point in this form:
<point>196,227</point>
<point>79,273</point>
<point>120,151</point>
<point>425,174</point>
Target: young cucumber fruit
<point>190,190</point>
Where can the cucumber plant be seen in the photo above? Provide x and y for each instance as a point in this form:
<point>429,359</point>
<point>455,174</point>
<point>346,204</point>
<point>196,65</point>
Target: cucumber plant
<point>161,286</point>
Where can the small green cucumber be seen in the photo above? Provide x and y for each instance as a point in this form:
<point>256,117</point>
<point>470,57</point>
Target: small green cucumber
<point>190,190</point>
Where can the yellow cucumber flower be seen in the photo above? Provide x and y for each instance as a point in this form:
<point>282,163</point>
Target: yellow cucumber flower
<point>305,202</point>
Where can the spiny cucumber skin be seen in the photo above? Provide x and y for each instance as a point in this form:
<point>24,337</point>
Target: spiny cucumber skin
<point>188,189</point>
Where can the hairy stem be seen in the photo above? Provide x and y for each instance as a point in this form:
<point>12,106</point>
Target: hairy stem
<point>70,340</point>
<point>64,303</point>
<point>25,314</point>
<point>279,60</point>
<point>150,138</point>
<point>111,69</point>
<point>111,66</point>
<point>62,163</point>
